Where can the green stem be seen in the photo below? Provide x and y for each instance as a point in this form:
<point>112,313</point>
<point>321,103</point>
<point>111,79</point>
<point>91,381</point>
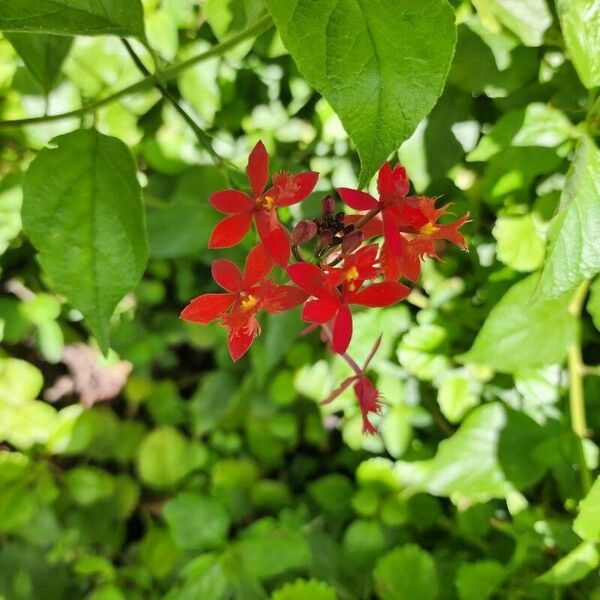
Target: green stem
<point>576,395</point>
<point>202,136</point>
<point>252,31</point>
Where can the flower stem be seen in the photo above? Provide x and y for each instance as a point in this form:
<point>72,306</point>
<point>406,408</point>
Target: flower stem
<point>353,364</point>
<point>576,395</point>
<point>252,31</point>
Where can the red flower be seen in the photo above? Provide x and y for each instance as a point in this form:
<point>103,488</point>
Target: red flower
<point>331,305</point>
<point>422,241</point>
<point>365,391</point>
<point>245,295</point>
<point>392,185</point>
<point>357,268</point>
<point>286,189</point>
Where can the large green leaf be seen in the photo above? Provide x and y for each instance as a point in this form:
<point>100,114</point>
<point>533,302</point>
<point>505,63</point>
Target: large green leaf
<point>82,210</point>
<point>70,17</point>
<point>574,253</point>
<point>580,22</point>
<point>42,54</point>
<point>520,333</point>
<point>573,566</point>
<point>381,64</point>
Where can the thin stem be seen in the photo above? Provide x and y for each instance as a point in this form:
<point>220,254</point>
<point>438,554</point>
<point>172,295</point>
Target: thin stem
<point>252,31</point>
<point>576,395</point>
<point>202,136</point>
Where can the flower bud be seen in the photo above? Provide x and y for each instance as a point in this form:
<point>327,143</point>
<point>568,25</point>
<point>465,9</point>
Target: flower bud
<point>324,238</point>
<point>304,231</point>
<point>352,240</point>
<point>327,206</point>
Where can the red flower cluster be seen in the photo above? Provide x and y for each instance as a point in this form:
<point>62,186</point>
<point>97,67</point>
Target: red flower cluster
<point>342,271</point>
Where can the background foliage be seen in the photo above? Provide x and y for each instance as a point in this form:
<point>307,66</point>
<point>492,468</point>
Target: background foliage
<point>162,470</point>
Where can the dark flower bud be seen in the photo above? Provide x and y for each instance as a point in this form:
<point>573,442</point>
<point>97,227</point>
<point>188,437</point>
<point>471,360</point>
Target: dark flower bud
<point>324,238</point>
<point>327,206</point>
<point>304,231</point>
<point>352,240</point>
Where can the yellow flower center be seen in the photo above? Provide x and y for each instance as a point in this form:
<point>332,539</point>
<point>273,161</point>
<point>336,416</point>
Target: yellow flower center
<point>248,301</point>
<point>351,274</point>
<point>267,202</point>
<point>428,229</point>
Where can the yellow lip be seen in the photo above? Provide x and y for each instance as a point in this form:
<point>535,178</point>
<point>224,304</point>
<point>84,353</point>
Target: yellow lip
<point>428,229</point>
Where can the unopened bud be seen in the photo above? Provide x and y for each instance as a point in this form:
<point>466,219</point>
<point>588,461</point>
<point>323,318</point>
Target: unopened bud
<point>324,238</point>
<point>327,206</point>
<point>304,231</point>
<point>352,240</point>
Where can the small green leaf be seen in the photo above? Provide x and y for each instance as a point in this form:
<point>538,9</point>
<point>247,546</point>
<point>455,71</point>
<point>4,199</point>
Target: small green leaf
<point>580,22</point>
<point>573,566</point>
<point>587,523</point>
<point>380,65</point>
<point>407,572</point>
<point>520,333</point>
<point>456,397</point>
<point>421,351</point>
<point>196,522</point>
<point>304,590</point>
<point>479,580</point>
<point>520,246</point>
<point>20,382</point>
<point>88,485</point>
<point>10,216</point>
<point>65,17</point>
<point>82,210</point>
<point>42,54</point>
<point>574,253</point>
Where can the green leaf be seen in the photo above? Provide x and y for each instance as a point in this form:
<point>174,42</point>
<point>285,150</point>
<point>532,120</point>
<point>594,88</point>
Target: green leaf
<point>20,382</point>
<point>466,465</point>
<point>574,253</point>
<point>196,522</point>
<point>165,456</point>
<point>593,304</point>
<point>527,19</point>
<point>380,65</point>
<point>480,580</point>
<point>456,397</point>
<point>572,567</point>
<point>587,523</point>
<point>510,338</point>
<point>580,22</point>
<point>302,590</point>
<point>520,246</point>
<point>407,572</point>
<point>10,216</point>
<point>421,351</point>
<point>536,125</point>
<point>42,54</point>
<point>65,17</point>
<point>88,485</point>
<point>82,210</point>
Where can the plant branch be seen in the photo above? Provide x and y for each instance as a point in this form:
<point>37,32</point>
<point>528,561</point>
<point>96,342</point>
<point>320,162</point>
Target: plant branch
<point>252,31</point>
<point>202,136</point>
<point>576,395</point>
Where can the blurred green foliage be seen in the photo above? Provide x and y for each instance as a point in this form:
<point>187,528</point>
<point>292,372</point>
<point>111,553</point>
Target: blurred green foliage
<point>198,479</point>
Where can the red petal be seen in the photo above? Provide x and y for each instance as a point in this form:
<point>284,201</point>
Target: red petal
<point>450,232</point>
<point>291,189</point>
<point>239,342</point>
<point>357,200</point>
<point>230,231</point>
<point>258,168</point>
<point>392,183</point>
<point>227,275</point>
<point>381,294</point>
<point>311,279</point>
<point>283,297</point>
<point>277,244</point>
<point>393,239</point>
<point>319,311</point>
<point>258,266</point>
<point>206,308</point>
<point>342,330</point>
<point>231,202</point>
